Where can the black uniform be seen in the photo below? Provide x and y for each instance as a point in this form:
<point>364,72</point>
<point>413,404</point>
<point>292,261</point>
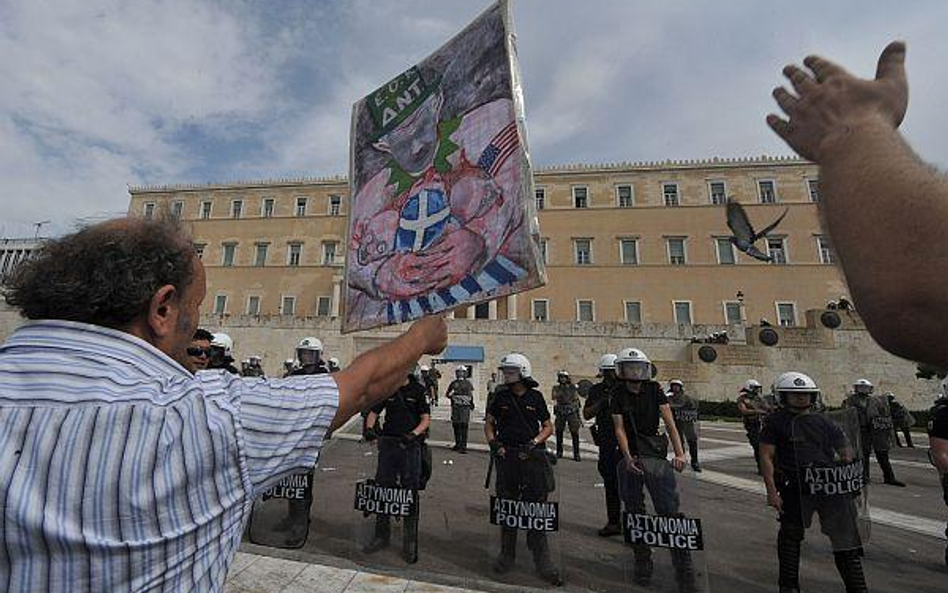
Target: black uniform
<point>802,440</point>
<point>902,420</point>
<point>938,429</point>
<point>604,435</point>
<point>523,470</point>
<point>400,453</point>
<point>641,413</point>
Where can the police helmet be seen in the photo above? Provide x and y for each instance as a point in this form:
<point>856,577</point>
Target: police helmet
<point>310,344</point>
<point>677,382</point>
<point>633,365</point>
<point>223,341</point>
<point>794,382</point>
<point>515,367</point>
<point>309,351</point>
<point>863,386</point>
<point>333,363</point>
<point>425,368</point>
<point>752,385</point>
<point>607,362</point>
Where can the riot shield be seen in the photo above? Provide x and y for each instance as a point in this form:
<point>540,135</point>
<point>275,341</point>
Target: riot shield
<point>386,499</point>
<point>524,509</point>
<point>281,515</point>
<point>830,480</point>
<point>661,516</point>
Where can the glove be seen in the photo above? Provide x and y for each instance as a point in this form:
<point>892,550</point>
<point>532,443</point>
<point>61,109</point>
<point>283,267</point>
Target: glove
<point>408,438</point>
<point>369,435</point>
<point>494,445</point>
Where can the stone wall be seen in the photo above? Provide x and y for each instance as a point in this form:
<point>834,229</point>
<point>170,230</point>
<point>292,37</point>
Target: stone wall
<point>835,358</point>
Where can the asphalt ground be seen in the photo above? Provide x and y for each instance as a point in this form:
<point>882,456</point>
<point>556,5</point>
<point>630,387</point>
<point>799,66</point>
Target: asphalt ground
<point>457,544</point>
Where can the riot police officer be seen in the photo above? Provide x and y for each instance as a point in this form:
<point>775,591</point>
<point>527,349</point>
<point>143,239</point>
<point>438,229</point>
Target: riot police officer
<point>566,411</point>
<point>751,407</point>
<point>461,395</point>
<point>784,451</point>
<point>333,363</point>
<point>637,405</point>
<point>309,354</point>
<point>517,426</point>
<point>875,424</point>
<point>902,420</point>
<point>253,368</point>
<point>604,436</point>
<point>685,411</point>
<point>938,443</point>
<point>222,354</point>
<point>407,417</point>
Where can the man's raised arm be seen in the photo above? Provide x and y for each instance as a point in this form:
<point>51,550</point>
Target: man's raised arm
<point>378,373</point>
<point>885,209</point>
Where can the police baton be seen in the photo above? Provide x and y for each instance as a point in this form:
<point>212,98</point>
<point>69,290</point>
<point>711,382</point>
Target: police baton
<point>490,470</point>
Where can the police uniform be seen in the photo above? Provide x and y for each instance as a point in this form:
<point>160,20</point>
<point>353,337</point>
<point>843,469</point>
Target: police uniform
<point>566,410</point>
<point>640,414</point>
<point>461,394</point>
<point>523,470</point>
<point>685,411</point>
<point>875,426</point>
<point>400,453</point>
<point>796,449</point>
<point>902,420</point>
<point>752,422</point>
<point>604,436</point>
<point>938,429</point>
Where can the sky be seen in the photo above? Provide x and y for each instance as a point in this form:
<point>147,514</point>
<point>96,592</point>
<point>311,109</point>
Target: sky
<point>98,95</point>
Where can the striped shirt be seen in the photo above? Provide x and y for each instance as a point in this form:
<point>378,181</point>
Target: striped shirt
<point>122,471</point>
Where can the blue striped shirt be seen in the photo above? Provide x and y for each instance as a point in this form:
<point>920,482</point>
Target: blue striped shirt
<point>122,471</point>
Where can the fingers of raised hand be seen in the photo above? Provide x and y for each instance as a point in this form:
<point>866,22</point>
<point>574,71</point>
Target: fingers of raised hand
<point>823,68</point>
<point>802,82</point>
<point>779,125</point>
<point>787,101</point>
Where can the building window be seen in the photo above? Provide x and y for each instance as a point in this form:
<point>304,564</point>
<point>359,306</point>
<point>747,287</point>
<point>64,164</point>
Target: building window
<point>220,304</point>
<point>149,212</point>
<point>288,306</point>
<point>813,189</point>
<point>206,209</point>
<point>545,250</point>
<point>633,312</point>
<point>717,192</point>
<point>676,251</point>
<point>329,253</point>
<point>583,251</point>
<point>540,194</point>
<point>624,197</point>
<point>176,209</point>
<point>482,311</point>
<point>540,309</point>
<point>267,210</point>
<point>732,313</point>
<point>670,194</point>
<point>629,252</point>
<point>725,251</point>
<point>199,249</point>
<point>581,197</point>
<point>787,314</point>
<point>682,312</point>
<point>229,254</point>
<point>294,254</point>
<point>777,250</point>
<point>301,206</point>
<point>253,305</point>
<point>323,306</point>
<point>335,205</point>
<point>260,254</point>
<point>767,192</point>
<point>236,208</point>
<point>585,310</point>
<point>826,252</point>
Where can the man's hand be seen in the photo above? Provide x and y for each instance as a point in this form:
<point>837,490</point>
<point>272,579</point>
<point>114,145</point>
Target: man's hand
<point>432,333</point>
<point>369,435</point>
<point>632,465</point>
<point>774,500</point>
<point>678,462</point>
<point>830,103</point>
<point>408,438</point>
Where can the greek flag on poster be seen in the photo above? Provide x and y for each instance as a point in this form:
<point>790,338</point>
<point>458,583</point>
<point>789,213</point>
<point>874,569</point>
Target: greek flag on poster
<point>423,219</point>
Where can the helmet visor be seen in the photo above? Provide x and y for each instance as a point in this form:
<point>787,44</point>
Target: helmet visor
<point>307,357</point>
<point>634,371</point>
<point>511,375</point>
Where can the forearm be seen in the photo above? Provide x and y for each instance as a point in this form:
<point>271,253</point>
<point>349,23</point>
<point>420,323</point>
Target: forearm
<point>489,433</point>
<point>939,450</point>
<point>545,431</point>
<point>423,425</point>
<point>886,212</point>
<point>621,437</point>
<point>767,468</point>
<point>672,431</point>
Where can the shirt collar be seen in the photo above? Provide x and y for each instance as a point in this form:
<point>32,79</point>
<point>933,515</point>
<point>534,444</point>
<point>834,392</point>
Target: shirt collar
<point>111,345</point>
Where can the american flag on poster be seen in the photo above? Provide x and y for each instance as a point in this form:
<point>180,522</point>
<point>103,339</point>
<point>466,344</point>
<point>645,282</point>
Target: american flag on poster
<point>499,150</point>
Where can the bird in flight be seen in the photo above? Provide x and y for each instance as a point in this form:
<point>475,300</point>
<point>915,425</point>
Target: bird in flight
<point>744,236</point>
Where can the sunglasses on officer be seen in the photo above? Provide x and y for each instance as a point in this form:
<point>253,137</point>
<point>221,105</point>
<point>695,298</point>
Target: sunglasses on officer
<point>195,351</point>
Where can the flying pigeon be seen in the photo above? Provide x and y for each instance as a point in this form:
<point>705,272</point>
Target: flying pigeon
<point>744,236</point>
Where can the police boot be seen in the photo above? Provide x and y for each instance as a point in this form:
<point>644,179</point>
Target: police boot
<point>559,444</point>
<point>508,550</point>
<point>693,449</point>
<point>849,565</point>
<point>888,476</point>
<point>643,567</point>
<point>684,571</point>
<point>538,544</point>
<point>457,436</point>
<point>410,540</point>
<point>383,532</point>
<point>463,434</point>
<point>576,456</point>
<point>788,556</point>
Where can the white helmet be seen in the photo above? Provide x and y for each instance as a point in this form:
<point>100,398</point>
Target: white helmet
<point>633,365</point>
<point>794,382</point>
<point>425,368</point>
<point>333,362</point>
<point>607,362</point>
<point>256,359</point>
<point>310,344</point>
<point>677,382</point>
<point>517,362</point>
<point>223,341</point>
<point>562,373</point>
<point>752,384</point>
<point>863,386</point>
<point>460,371</point>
